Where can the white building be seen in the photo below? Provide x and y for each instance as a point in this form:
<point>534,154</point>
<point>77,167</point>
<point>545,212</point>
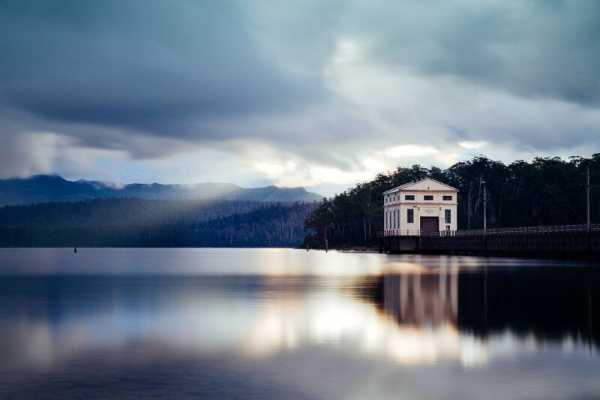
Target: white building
<point>423,207</point>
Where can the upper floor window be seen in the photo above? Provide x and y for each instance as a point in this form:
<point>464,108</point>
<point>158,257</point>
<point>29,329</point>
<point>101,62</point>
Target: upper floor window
<point>447,198</point>
<point>428,197</point>
<point>409,197</point>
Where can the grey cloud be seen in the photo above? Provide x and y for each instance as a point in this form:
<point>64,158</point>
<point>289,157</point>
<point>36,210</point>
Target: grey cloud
<point>147,65</point>
<point>534,48</point>
<point>27,154</point>
<point>152,78</point>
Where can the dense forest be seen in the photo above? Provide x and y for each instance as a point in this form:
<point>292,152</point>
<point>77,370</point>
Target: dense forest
<point>142,222</point>
<point>545,191</point>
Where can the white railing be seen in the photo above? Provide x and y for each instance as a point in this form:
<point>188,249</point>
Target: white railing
<point>415,232</point>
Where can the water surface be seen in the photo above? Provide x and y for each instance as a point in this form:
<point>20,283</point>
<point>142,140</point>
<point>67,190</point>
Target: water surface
<point>287,324</point>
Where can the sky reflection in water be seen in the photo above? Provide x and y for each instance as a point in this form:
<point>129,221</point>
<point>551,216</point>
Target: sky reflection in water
<point>289,324</point>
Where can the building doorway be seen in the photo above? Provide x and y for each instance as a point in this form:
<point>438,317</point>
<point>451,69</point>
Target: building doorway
<point>430,225</point>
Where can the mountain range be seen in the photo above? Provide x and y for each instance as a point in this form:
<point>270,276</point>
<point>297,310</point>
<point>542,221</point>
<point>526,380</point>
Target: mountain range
<point>54,188</point>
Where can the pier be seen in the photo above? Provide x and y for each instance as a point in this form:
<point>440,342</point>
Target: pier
<point>546,241</point>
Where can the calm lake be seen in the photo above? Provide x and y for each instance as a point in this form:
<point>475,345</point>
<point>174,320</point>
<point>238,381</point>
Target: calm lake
<point>291,324</point>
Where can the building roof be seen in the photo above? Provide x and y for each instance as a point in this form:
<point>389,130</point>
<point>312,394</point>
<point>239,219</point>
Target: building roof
<point>426,184</point>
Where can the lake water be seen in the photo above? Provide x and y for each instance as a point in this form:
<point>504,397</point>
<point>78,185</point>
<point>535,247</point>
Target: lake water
<point>287,324</point>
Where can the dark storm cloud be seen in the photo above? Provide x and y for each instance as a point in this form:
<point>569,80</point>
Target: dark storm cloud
<point>148,65</point>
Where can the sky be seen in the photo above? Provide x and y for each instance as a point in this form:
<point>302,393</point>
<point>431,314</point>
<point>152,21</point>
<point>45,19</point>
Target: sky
<point>321,94</point>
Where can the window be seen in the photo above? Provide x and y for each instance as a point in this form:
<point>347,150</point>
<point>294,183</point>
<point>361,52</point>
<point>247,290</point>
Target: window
<point>447,198</point>
<point>398,220</point>
<point>428,197</point>
<point>410,216</point>
<point>409,197</point>
<point>448,216</point>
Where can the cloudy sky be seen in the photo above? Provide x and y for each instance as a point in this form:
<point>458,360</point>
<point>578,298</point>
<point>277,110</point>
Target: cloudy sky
<point>296,93</point>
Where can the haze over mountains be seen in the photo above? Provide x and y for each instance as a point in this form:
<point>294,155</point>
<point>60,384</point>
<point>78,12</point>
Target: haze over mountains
<point>53,188</point>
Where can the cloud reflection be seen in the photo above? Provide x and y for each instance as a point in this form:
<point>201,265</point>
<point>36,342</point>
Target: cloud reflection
<point>416,324</point>
<point>403,316</point>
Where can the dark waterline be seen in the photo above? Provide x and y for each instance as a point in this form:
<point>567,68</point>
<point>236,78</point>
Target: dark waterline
<point>280,323</point>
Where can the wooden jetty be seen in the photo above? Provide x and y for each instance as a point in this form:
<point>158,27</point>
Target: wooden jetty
<point>545,241</point>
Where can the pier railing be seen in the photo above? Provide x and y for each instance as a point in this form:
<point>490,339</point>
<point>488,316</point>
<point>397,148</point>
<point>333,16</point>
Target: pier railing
<point>494,231</point>
<point>523,230</point>
<point>563,240</point>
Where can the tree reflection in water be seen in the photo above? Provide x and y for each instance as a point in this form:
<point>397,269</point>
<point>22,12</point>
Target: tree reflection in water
<point>551,304</point>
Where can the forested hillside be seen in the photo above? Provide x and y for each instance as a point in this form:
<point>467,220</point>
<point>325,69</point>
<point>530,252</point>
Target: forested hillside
<point>545,191</point>
<point>139,222</point>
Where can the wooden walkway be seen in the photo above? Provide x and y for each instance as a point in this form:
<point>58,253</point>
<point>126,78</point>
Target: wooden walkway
<point>551,241</point>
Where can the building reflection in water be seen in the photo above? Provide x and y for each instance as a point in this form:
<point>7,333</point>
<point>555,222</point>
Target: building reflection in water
<point>424,316</point>
<point>408,318</point>
<point>424,299</point>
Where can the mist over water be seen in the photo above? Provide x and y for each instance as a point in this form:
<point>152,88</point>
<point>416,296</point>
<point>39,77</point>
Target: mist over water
<point>280,323</point>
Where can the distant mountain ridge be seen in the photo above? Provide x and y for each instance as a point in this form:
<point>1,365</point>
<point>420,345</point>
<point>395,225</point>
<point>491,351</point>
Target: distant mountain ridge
<point>54,188</point>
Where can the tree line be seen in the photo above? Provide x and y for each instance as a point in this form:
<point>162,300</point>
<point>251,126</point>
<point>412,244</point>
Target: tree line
<point>142,222</point>
<point>545,191</point>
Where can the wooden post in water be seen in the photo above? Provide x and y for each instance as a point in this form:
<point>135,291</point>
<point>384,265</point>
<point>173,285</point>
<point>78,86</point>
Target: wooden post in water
<point>484,208</point>
<point>484,216</point>
<point>588,199</point>
<point>588,208</point>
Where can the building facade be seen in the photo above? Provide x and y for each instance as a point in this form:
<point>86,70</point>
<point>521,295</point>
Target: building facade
<point>423,207</point>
